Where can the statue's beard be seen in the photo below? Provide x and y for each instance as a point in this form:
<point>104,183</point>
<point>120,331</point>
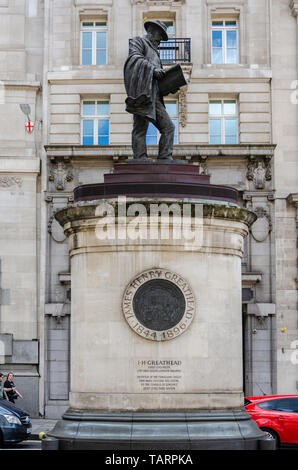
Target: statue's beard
<point>155,42</point>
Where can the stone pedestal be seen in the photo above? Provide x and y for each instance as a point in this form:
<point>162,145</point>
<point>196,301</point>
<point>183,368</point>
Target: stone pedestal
<point>156,335</point>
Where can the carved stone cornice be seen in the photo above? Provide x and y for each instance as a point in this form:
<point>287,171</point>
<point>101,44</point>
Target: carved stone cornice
<point>157,2</point>
<point>195,152</point>
<point>85,7</point>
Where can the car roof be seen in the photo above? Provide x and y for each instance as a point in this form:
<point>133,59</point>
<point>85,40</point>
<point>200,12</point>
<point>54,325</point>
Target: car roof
<point>269,397</point>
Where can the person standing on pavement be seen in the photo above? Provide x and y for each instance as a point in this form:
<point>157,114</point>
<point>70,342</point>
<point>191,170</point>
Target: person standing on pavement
<point>10,388</point>
<point>3,393</point>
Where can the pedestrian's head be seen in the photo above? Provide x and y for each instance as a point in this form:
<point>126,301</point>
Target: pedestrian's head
<point>10,376</point>
<point>1,377</point>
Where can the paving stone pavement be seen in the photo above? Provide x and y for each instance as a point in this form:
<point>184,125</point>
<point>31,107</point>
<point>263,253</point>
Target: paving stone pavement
<point>42,425</point>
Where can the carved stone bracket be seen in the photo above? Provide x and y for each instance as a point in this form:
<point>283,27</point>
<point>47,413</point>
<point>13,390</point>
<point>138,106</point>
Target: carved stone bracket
<point>58,310</point>
<point>60,174</point>
<point>259,171</point>
<point>50,196</point>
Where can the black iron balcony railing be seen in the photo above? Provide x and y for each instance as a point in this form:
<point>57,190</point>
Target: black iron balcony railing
<point>175,50</point>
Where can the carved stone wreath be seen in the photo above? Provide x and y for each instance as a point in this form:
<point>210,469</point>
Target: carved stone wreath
<point>6,181</point>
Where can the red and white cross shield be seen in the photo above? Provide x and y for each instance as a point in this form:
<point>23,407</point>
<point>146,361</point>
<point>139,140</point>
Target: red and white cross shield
<point>29,127</point>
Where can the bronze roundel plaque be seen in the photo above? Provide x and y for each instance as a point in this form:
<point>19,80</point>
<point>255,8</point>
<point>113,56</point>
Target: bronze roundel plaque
<point>158,304</point>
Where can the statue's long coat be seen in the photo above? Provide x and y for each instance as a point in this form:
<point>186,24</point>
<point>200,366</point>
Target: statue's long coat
<point>141,87</point>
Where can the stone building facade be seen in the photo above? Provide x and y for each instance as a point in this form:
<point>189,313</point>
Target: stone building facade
<point>237,119</point>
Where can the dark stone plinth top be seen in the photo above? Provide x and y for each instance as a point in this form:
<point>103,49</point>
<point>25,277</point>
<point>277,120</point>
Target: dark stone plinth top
<point>153,173</point>
<point>160,168</point>
<point>152,180</point>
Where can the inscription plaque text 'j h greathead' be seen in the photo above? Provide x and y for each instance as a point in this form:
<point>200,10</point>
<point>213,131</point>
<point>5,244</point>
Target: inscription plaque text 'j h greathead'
<point>158,304</point>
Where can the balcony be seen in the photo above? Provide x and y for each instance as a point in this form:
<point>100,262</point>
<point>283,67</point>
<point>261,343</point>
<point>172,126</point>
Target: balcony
<point>175,50</point>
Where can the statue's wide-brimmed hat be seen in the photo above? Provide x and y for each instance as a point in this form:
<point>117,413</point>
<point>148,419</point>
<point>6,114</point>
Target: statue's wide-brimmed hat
<point>160,25</point>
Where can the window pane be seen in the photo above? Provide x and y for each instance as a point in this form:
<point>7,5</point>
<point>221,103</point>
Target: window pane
<point>214,125</point>
<point>171,107</point>
<point>231,56</point>
<point>86,57</point>
<point>151,137</point>
<point>151,140</point>
<point>215,107</point>
<point>87,40</point>
<point>88,24</point>
<point>176,131</point>
<point>231,39</point>
<point>88,129</point>
<point>101,57</point>
<point>88,140</point>
<point>101,40</point>
<point>230,23</point>
<point>89,108</point>
<point>103,108</point>
<point>170,27</point>
<point>103,127</point>
<point>215,139</point>
<point>103,140</point>
<point>88,126</point>
<point>229,107</point>
<point>231,139</point>
<point>216,38</point>
<point>217,56</point>
<point>152,130</point>
<point>230,126</point>
<point>103,132</point>
<point>101,23</point>
<point>217,23</point>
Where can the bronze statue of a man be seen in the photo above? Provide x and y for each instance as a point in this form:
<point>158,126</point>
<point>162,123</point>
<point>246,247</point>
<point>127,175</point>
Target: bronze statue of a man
<point>142,70</point>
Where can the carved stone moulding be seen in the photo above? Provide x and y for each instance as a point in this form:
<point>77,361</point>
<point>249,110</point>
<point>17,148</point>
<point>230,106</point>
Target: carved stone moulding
<point>158,2</point>
<point>261,228</point>
<point>7,181</point>
<point>55,230</point>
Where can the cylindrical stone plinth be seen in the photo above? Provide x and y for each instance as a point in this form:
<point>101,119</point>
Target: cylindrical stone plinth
<point>156,327</point>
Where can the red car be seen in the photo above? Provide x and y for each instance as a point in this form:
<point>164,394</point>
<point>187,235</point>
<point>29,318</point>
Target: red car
<point>277,415</point>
